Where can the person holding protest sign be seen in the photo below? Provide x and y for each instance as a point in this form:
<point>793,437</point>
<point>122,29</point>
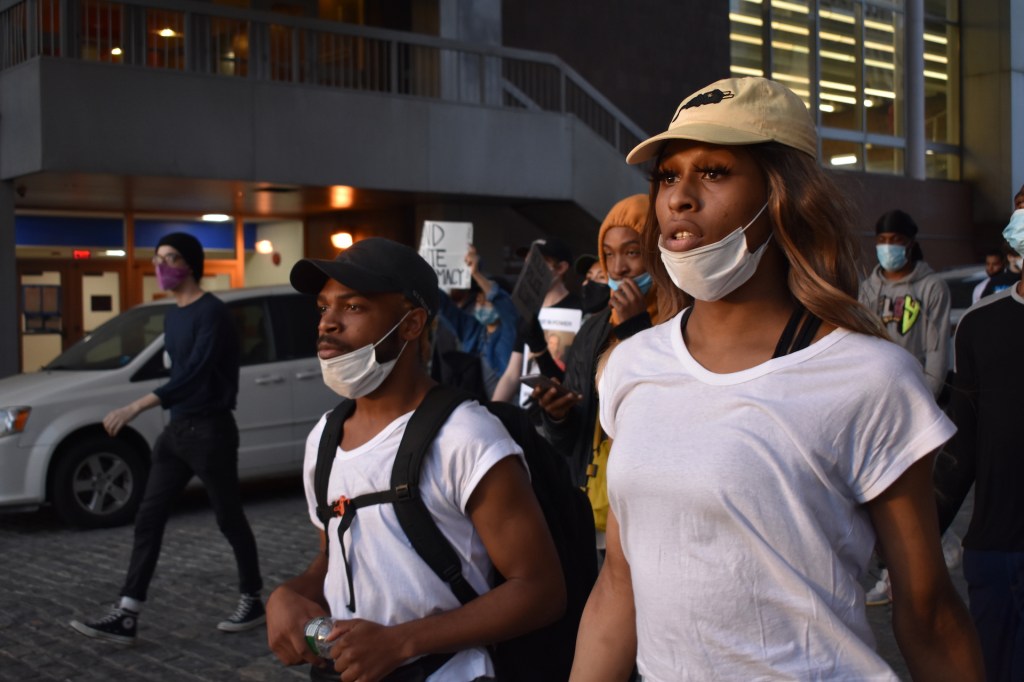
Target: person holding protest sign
<point>531,348</point>
<point>635,303</point>
<point>487,333</point>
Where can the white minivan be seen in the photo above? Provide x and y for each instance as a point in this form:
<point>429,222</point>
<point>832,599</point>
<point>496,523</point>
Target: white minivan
<point>53,449</point>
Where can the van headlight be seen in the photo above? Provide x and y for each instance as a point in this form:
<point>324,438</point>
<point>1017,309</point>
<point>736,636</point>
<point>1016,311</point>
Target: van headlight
<point>13,420</point>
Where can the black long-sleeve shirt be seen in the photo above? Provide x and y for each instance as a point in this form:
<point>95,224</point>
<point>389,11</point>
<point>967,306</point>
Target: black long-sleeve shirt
<point>988,448</point>
<point>204,351</point>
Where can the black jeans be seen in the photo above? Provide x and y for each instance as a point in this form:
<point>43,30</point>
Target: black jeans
<point>207,447</point>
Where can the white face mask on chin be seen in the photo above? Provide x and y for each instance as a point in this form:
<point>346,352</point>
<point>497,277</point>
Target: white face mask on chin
<point>357,373</point>
<point>711,272</point>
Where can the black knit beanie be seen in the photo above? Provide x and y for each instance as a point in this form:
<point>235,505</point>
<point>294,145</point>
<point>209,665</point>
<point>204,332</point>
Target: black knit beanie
<point>189,248</point>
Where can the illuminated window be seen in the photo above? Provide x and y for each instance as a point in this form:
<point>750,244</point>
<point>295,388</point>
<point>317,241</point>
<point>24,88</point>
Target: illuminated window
<point>845,59</point>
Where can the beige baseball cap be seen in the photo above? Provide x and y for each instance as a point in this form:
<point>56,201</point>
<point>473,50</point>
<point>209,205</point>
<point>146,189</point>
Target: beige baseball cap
<point>737,111</point>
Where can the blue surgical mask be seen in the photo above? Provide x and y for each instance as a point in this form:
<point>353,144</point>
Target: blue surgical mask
<point>1013,233</point>
<point>891,257</point>
<point>643,281</point>
<point>485,314</point>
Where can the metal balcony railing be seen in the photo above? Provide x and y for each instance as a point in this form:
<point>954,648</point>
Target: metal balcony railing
<point>228,42</point>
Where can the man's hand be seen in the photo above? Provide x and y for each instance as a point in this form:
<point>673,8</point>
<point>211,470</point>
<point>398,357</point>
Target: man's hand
<point>287,615</point>
<point>116,419</point>
<point>366,651</point>
<point>555,402</point>
<point>627,301</point>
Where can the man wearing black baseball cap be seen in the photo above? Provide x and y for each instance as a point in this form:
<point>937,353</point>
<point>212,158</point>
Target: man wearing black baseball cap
<point>375,299</point>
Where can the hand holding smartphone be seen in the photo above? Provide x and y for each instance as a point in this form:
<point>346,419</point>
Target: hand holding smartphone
<point>546,383</point>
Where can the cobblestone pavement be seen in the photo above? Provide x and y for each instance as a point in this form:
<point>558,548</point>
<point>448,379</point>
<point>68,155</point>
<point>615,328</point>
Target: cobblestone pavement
<point>49,575</point>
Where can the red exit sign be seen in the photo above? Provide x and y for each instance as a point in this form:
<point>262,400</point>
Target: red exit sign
<point>81,254</point>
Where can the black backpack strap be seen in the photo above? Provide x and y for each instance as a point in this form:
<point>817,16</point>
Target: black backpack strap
<point>417,523</point>
<point>329,440</point>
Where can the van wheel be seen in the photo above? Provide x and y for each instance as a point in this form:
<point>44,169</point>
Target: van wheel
<point>98,483</point>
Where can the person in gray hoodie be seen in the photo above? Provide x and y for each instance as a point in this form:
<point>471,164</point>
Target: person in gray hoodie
<point>911,299</point>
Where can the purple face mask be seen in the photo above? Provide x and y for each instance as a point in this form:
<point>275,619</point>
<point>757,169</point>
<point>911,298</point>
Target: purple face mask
<point>170,277</point>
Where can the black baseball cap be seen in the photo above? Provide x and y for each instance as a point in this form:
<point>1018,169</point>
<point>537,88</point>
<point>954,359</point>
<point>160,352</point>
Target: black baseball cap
<point>372,266</point>
<point>584,263</point>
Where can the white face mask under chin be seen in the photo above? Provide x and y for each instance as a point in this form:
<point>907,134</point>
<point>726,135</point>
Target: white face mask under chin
<point>711,272</point>
<point>357,373</point>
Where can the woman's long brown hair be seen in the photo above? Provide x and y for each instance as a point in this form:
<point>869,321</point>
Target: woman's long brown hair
<point>813,223</point>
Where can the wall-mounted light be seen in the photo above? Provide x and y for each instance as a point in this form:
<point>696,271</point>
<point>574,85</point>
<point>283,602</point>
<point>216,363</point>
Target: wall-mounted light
<point>341,240</point>
<point>116,52</point>
<point>215,217</point>
<point>264,246</point>
<point>341,196</point>
<point>166,33</point>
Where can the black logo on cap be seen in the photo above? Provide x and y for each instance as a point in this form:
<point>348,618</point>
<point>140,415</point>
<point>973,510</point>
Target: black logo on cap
<point>713,97</point>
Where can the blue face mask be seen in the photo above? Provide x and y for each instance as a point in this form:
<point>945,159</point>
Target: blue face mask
<point>643,281</point>
<point>485,315</point>
<point>891,257</point>
<point>1013,233</point>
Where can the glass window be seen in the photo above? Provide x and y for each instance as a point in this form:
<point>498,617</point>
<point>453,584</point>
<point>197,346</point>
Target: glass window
<point>295,325</point>
<point>840,83</point>
<point>886,160</point>
<point>942,9</point>
<point>941,86</point>
<point>842,155</point>
<point>883,85</point>
<point>251,323</point>
<point>101,36</point>
<point>745,37</point>
<point>792,56</point>
<point>115,343</point>
<point>941,166</point>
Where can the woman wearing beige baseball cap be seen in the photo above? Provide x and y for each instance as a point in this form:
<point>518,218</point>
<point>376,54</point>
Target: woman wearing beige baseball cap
<point>768,436</point>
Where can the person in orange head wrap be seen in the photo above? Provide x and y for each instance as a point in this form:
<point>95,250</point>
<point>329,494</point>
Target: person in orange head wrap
<point>633,304</point>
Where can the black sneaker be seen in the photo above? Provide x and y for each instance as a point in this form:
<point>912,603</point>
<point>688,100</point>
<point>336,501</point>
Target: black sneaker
<point>117,626</point>
<point>248,615</point>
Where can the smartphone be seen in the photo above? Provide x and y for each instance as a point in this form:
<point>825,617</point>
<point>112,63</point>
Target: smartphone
<point>535,380</point>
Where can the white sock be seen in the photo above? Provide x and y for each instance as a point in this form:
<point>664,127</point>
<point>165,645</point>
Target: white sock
<point>130,604</point>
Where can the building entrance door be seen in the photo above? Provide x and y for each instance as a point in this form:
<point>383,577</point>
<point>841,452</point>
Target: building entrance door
<point>60,301</point>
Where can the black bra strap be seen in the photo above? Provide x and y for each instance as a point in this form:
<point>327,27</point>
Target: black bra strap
<point>786,340</point>
<point>795,336</point>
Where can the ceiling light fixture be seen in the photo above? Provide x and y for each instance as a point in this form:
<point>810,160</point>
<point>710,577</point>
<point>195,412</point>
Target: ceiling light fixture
<point>215,217</point>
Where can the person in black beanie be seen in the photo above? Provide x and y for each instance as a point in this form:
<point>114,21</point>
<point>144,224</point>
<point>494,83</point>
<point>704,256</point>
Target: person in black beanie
<point>201,439</point>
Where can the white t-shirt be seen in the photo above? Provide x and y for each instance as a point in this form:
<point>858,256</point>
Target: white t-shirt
<point>392,584</point>
<point>740,500</point>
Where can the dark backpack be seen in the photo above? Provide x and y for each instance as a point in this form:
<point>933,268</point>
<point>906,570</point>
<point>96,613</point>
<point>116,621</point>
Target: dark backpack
<point>540,656</point>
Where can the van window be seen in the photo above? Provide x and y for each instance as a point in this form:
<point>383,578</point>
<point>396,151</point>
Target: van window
<point>254,334</point>
<point>295,325</point>
<point>115,343</point>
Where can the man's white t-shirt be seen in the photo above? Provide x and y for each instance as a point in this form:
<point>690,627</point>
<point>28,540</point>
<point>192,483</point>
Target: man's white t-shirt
<point>740,500</point>
<point>391,583</point>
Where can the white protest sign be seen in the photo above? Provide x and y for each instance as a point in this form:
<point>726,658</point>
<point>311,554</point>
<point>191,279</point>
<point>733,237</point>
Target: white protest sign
<point>560,326</point>
<point>444,245</point>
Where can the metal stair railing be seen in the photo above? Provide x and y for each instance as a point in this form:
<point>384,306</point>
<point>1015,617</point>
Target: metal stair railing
<point>222,41</point>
